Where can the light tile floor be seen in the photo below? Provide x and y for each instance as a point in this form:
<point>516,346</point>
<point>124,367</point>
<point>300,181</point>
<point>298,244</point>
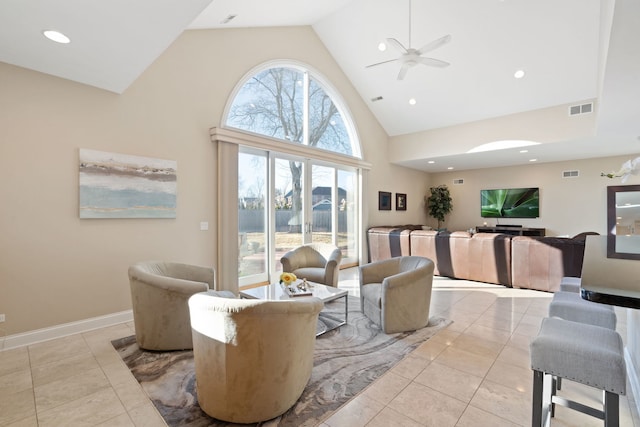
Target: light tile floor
<point>474,373</point>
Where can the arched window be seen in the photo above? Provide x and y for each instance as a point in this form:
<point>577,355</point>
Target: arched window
<point>292,103</point>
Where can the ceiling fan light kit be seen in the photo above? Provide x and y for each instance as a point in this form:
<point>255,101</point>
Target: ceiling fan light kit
<point>410,56</point>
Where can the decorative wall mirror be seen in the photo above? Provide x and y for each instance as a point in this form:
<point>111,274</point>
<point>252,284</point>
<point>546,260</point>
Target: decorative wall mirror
<point>623,221</point>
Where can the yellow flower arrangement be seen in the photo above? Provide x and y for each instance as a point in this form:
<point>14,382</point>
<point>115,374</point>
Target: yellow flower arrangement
<point>288,278</point>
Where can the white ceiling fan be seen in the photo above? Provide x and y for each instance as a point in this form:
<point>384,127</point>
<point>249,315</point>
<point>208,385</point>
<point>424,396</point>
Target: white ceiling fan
<point>410,57</point>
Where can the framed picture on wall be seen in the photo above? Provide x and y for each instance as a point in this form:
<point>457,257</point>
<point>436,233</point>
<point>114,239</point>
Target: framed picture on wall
<point>384,201</point>
<point>401,202</point>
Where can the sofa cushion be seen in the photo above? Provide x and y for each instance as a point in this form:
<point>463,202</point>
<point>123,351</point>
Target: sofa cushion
<point>541,262</point>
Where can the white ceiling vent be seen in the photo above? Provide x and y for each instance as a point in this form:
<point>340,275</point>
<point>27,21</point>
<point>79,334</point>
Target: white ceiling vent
<point>574,110</point>
<point>458,181</point>
<point>570,174</point>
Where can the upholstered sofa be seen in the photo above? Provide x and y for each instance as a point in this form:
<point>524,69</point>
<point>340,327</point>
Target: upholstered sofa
<point>525,262</point>
<point>389,241</point>
<point>541,262</point>
<point>482,257</point>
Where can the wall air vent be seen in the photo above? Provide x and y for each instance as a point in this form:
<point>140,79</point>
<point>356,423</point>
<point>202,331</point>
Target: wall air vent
<point>574,110</point>
<point>458,181</point>
<point>570,174</point>
<point>377,98</point>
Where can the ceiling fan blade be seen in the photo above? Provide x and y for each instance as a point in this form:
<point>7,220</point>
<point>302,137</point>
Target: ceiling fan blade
<point>380,63</point>
<point>397,45</point>
<point>403,71</point>
<point>433,62</point>
<point>434,44</point>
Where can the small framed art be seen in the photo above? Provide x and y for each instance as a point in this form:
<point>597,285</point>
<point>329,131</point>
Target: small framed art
<point>401,202</point>
<point>384,201</point>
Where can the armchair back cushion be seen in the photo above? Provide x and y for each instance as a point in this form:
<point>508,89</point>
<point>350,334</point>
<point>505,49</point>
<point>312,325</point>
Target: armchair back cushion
<point>253,358</point>
<point>159,295</point>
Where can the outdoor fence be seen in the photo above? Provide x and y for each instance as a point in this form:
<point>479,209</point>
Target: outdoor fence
<point>252,221</point>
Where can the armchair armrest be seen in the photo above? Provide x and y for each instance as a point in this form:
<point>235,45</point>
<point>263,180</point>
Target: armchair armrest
<point>289,261</point>
<point>181,286</point>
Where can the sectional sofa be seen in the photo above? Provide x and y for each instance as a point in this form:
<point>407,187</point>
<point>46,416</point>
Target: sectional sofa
<point>515,261</point>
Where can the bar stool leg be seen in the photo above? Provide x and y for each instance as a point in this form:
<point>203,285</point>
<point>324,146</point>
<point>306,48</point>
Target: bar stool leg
<point>611,409</point>
<point>555,386</point>
<point>538,388</point>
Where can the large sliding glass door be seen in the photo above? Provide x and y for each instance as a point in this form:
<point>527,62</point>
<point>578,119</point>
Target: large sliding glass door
<point>285,201</point>
<point>289,227</point>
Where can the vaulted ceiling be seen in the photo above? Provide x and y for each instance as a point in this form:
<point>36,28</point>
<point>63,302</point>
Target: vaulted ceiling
<point>571,51</point>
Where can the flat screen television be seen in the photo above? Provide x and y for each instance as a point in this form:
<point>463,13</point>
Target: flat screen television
<point>510,203</point>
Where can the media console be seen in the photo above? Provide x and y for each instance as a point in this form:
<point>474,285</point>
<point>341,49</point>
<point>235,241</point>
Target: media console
<point>512,230</point>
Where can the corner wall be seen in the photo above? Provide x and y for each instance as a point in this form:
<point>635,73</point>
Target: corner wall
<point>56,268</point>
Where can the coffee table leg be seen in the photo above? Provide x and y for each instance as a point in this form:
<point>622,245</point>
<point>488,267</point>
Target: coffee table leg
<point>346,317</point>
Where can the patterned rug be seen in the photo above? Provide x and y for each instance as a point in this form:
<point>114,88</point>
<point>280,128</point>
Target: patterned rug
<point>346,360</point>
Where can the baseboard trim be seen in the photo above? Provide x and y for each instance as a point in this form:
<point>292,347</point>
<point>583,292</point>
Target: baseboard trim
<point>65,329</point>
<point>634,380</point>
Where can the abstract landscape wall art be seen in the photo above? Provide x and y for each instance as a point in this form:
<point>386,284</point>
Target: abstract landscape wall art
<point>123,186</point>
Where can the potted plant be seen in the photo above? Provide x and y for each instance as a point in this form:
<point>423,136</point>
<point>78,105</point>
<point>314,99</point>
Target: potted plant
<point>439,203</point>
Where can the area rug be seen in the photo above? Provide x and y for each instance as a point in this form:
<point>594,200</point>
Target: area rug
<point>346,360</point>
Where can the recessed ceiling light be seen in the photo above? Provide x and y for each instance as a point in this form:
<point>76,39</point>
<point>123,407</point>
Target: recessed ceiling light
<point>56,36</point>
<point>412,101</point>
<point>450,167</point>
<point>518,74</point>
<point>533,160</point>
<point>524,151</point>
<point>431,162</point>
<point>382,46</point>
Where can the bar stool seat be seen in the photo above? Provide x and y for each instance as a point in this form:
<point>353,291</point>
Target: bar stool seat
<point>570,284</point>
<point>571,306</point>
<point>587,354</point>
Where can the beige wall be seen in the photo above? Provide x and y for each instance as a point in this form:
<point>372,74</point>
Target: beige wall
<point>546,125</point>
<point>568,206</point>
<point>56,268</point>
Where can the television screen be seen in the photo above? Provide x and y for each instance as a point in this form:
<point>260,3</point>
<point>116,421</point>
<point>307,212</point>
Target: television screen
<point>510,203</point>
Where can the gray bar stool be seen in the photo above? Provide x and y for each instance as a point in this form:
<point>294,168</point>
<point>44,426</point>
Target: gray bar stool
<point>571,306</point>
<point>587,354</point>
<point>570,284</point>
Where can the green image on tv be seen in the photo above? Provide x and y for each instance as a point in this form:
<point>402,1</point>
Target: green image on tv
<point>510,203</point>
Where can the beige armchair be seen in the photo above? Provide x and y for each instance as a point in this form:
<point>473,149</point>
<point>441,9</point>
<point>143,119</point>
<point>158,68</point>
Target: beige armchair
<point>316,262</point>
<point>159,295</point>
<point>395,293</point>
<point>253,358</point>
